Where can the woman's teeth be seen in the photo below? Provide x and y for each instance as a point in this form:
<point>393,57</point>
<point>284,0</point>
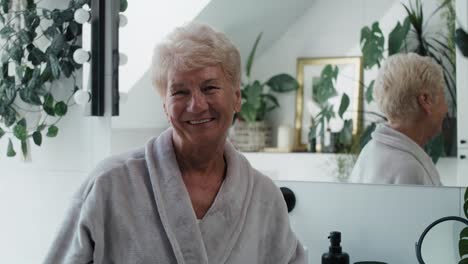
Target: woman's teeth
<point>196,122</point>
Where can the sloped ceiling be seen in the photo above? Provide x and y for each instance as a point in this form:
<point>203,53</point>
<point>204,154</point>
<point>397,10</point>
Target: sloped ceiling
<point>243,20</point>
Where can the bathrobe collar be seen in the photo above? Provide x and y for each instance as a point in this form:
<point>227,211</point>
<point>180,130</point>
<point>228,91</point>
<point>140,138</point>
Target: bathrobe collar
<point>394,139</point>
<point>213,238</point>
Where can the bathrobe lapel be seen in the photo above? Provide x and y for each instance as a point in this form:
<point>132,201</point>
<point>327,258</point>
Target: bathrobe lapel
<point>395,139</point>
<point>224,221</point>
<point>213,239</point>
<point>173,202</point>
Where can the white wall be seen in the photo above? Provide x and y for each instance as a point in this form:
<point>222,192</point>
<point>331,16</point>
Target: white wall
<point>378,222</point>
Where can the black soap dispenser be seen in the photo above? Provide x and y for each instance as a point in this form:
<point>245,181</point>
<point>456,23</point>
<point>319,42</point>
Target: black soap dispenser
<point>335,255</point>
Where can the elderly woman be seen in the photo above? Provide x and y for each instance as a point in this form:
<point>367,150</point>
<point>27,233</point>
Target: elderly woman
<point>410,92</point>
<point>188,196</point>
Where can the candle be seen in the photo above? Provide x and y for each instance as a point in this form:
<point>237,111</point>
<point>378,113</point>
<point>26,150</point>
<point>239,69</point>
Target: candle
<point>284,137</point>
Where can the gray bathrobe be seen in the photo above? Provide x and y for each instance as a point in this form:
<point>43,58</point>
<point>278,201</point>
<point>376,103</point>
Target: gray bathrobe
<point>393,158</point>
<point>135,209</point>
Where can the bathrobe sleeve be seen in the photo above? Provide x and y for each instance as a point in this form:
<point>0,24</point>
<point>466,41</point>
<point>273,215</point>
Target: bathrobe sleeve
<point>74,242</point>
<point>408,173</point>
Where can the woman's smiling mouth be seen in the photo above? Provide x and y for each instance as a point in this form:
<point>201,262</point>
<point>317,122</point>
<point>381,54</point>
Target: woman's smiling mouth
<point>201,121</point>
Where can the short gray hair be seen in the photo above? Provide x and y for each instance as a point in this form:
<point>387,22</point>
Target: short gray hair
<point>401,79</point>
<point>193,47</point>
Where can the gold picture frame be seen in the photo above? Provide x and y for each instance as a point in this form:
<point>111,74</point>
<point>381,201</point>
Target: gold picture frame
<point>307,68</point>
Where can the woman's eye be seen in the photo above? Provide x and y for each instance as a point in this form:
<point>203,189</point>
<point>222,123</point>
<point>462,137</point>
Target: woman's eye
<point>174,93</point>
<point>211,88</point>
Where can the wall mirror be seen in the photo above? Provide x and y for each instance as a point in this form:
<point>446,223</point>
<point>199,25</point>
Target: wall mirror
<point>310,30</point>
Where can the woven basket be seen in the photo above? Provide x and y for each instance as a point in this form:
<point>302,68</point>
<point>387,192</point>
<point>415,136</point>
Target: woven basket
<point>250,137</point>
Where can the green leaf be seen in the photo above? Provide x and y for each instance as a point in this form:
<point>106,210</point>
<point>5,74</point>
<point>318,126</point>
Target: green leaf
<point>248,113</point>
<point>25,37</point>
<point>30,4</point>
<point>20,132</point>
<point>36,56</point>
<point>461,39</point>
<point>6,31</point>
<point>343,105</point>
<point>74,29</point>
<point>323,88</point>
<point>282,83</point>
<point>273,102</point>
<point>346,134</point>
<point>435,148</point>
<point>366,135</point>
<point>463,261</point>
<point>67,15</point>
<point>22,122</point>
<point>51,31</point>
<point>252,55</point>
<point>2,132</point>
<point>465,209</point>
<point>61,108</point>
<point>9,117</point>
<point>5,5</point>
<point>123,5</point>
<point>312,133</point>
<point>54,66</point>
<point>370,92</point>
<point>52,131</point>
<point>46,13</point>
<point>463,247</point>
<point>398,36</point>
<point>253,93</point>
<point>48,104</point>
<point>67,68</point>
<point>10,150</point>
<point>57,45</point>
<point>372,45</point>
<point>37,138</point>
<point>56,17</point>
<point>30,96</point>
<point>24,148</point>
<point>466,195</point>
<point>464,233</point>
<point>16,53</point>
<point>31,20</point>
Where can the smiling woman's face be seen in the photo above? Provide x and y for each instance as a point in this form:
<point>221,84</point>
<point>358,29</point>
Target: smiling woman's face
<point>200,105</point>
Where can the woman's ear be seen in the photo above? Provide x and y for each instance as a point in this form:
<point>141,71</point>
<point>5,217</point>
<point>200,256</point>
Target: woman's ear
<point>426,101</point>
<point>238,99</point>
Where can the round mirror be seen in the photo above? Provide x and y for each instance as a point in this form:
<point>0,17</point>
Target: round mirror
<point>439,242</point>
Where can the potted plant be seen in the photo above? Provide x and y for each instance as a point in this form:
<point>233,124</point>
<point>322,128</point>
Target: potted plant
<point>251,132</point>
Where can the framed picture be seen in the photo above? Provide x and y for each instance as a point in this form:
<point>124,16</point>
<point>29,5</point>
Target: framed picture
<point>348,80</point>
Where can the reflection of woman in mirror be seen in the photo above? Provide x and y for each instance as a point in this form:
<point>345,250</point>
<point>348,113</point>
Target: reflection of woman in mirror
<point>410,92</point>
<point>188,196</point>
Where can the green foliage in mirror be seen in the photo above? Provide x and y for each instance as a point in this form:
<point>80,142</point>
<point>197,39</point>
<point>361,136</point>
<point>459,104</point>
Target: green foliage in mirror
<point>461,38</point>
<point>372,45</point>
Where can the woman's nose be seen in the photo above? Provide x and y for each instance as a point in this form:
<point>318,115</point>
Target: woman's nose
<point>197,103</point>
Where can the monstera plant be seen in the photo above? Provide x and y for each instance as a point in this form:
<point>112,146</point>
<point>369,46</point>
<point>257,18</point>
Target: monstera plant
<point>36,51</point>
